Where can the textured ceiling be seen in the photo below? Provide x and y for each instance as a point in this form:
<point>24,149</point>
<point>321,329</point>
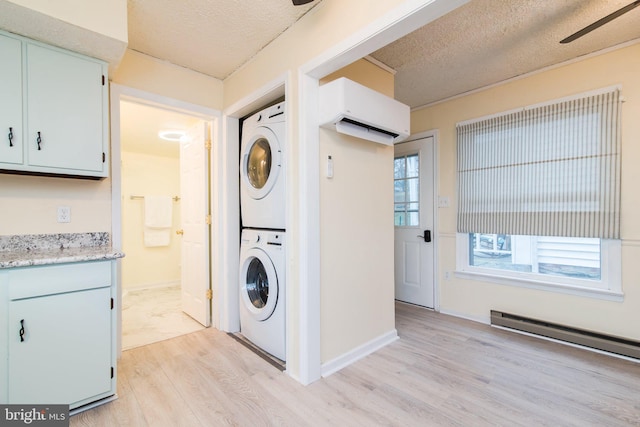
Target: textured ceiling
<point>214,37</point>
<point>478,44</point>
<point>488,41</point>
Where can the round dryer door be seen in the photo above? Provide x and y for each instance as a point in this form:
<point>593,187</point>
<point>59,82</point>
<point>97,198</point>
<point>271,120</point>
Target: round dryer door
<point>261,161</point>
<point>258,284</point>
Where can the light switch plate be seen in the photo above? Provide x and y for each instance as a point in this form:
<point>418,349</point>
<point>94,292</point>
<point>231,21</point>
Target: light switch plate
<point>443,202</point>
<point>64,214</point>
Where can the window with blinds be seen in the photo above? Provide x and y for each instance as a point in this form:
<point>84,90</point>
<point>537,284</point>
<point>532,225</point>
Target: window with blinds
<point>539,194</point>
<point>549,170</point>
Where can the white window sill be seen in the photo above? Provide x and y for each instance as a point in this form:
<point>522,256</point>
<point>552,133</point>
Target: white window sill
<point>581,291</point>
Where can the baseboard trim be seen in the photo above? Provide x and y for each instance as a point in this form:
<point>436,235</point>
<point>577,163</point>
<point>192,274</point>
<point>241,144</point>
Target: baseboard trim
<point>358,353</point>
<point>486,321</point>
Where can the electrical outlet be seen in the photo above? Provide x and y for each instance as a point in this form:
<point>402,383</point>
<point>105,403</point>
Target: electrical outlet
<point>64,214</point>
<point>447,275</point>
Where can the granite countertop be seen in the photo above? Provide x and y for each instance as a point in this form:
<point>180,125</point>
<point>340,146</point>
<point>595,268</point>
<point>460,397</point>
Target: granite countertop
<point>46,249</point>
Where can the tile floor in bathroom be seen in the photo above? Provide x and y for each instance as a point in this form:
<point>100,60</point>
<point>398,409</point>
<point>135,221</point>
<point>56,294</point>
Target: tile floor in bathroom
<point>152,315</point>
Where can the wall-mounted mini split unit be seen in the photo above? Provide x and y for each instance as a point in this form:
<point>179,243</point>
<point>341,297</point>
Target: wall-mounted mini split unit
<point>354,109</point>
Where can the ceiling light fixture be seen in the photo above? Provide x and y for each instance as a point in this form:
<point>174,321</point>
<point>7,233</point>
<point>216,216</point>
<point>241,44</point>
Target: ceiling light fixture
<point>171,135</point>
<point>301,2</point>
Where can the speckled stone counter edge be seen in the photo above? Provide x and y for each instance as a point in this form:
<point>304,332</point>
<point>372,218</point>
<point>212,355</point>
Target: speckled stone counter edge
<point>46,242</point>
<point>46,249</point>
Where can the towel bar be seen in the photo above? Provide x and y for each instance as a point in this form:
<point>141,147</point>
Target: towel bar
<point>175,198</point>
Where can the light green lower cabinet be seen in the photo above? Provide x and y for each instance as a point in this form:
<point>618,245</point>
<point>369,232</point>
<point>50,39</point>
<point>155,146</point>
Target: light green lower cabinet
<point>60,336</point>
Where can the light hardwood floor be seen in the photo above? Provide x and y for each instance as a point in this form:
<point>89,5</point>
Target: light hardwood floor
<point>443,371</point>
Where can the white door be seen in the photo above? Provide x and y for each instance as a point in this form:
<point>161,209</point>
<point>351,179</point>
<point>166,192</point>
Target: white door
<point>414,180</point>
<point>194,193</point>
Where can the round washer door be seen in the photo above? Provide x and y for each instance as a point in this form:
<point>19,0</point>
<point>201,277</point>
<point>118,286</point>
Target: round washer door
<point>261,160</point>
<point>258,284</point>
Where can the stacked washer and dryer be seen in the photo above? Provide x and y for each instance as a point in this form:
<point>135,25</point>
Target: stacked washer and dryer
<point>262,246</point>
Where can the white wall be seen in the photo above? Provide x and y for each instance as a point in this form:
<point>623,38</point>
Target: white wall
<point>29,205</point>
<point>144,174</point>
<point>149,74</point>
<point>356,232</point>
<point>474,299</point>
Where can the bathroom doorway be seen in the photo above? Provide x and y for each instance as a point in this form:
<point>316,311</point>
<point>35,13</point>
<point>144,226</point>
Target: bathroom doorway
<point>152,223</point>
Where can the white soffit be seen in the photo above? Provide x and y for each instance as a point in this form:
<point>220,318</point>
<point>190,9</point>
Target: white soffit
<point>39,26</point>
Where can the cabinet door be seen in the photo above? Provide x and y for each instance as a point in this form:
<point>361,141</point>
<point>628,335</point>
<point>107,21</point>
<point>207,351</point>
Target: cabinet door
<point>65,110</point>
<point>66,353</point>
<point>11,149</point>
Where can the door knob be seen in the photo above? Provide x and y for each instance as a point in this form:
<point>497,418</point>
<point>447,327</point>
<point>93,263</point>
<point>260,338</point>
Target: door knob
<point>180,232</point>
<point>426,236</point>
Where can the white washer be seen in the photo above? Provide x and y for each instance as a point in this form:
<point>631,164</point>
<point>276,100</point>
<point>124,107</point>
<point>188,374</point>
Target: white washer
<point>262,174</point>
<point>262,290</point>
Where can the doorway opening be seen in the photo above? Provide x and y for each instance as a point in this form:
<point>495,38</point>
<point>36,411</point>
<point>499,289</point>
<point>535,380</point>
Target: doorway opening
<point>154,215</point>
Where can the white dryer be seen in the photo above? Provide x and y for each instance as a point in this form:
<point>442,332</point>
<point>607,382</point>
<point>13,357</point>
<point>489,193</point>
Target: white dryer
<point>262,290</point>
<point>262,174</point>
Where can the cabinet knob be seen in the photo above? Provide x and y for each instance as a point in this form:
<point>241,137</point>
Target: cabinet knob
<point>22,330</point>
<point>39,141</point>
<point>180,232</point>
<point>10,137</point>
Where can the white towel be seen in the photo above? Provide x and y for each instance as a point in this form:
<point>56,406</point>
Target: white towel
<point>158,211</point>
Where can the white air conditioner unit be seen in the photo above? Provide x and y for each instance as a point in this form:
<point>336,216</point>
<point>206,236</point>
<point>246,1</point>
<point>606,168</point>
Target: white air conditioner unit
<point>354,109</point>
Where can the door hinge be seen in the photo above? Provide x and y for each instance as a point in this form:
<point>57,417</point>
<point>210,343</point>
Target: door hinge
<point>104,157</point>
<point>207,219</point>
<point>207,144</point>
<point>112,372</point>
<point>111,303</point>
<point>209,294</point>
<point>103,80</point>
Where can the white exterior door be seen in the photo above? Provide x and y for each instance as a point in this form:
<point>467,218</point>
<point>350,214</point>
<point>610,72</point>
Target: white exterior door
<point>194,192</point>
<point>414,181</point>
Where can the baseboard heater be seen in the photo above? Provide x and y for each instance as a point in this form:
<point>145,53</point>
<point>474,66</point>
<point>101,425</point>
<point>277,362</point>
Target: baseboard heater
<point>581,337</point>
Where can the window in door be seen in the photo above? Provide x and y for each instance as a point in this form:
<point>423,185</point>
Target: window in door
<point>406,190</point>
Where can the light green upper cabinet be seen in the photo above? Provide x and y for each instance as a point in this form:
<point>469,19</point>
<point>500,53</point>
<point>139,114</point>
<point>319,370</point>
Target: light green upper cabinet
<point>62,101</point>
<point>11,150</point>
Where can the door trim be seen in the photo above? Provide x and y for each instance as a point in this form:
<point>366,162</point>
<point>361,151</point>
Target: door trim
<point>125,93</point>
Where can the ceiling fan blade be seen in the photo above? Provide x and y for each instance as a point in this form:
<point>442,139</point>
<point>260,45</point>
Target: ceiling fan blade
<point>601,22</point>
